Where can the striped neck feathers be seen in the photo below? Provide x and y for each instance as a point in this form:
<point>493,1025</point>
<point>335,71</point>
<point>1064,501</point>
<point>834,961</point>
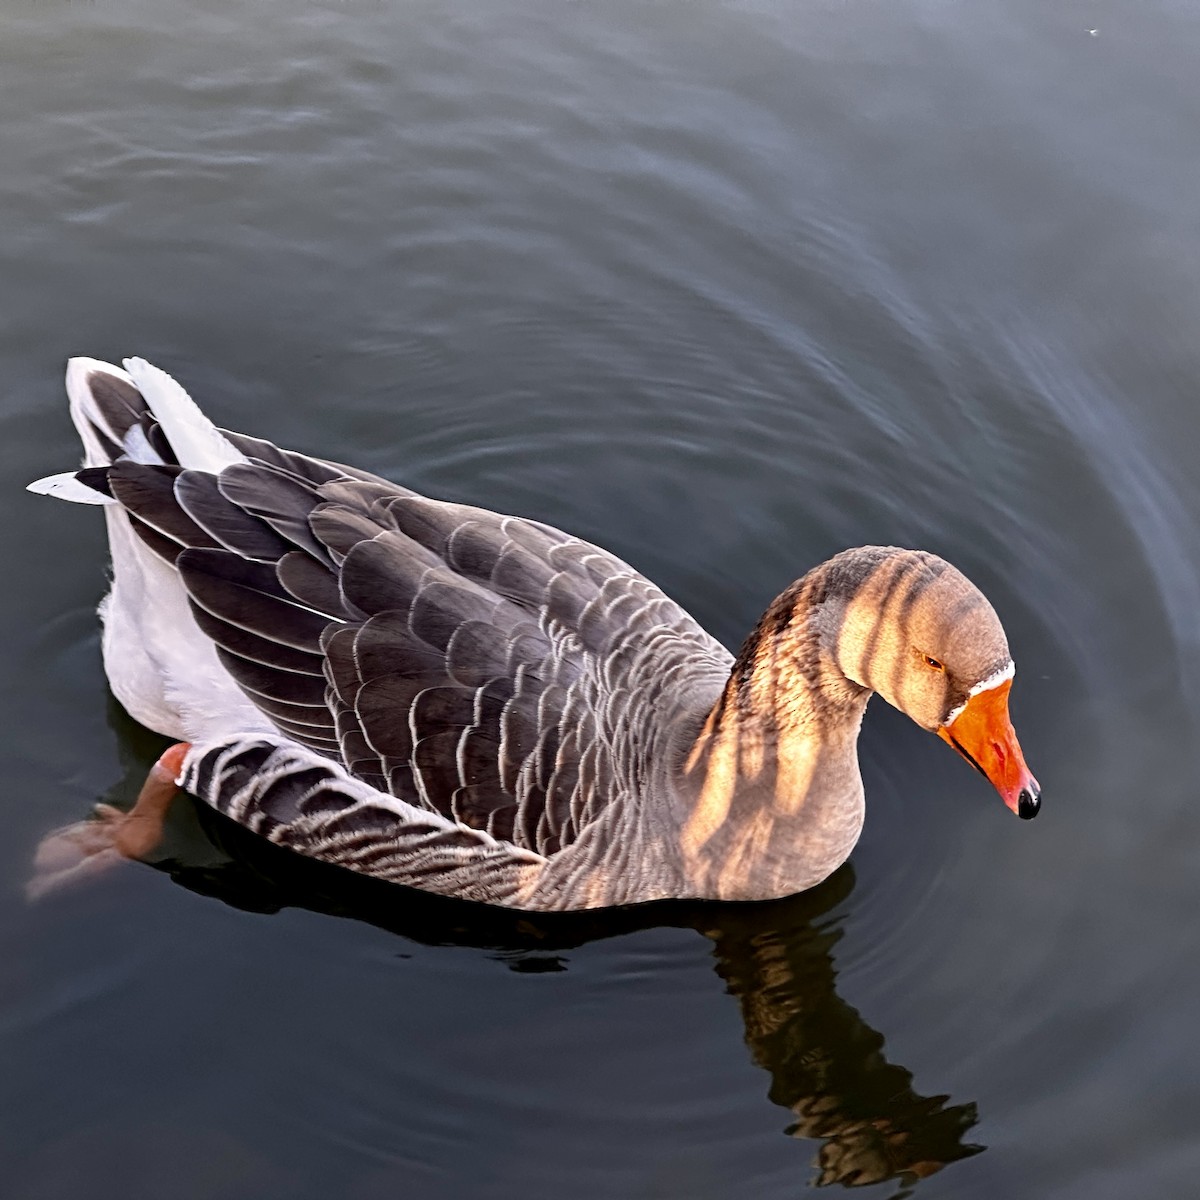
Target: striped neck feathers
<point>903,623</point>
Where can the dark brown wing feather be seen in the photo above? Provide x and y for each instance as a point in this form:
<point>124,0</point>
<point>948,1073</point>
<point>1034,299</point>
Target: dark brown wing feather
<point>475,665</point>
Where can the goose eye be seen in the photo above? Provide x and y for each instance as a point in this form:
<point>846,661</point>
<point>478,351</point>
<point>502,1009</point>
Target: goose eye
<point>933,663</point>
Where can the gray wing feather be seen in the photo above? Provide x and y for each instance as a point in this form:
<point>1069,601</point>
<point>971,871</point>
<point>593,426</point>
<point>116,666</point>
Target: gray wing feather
<point>225,523</point>
<point>147,491</point>
<point>280,499</point>
<point>490,671</point>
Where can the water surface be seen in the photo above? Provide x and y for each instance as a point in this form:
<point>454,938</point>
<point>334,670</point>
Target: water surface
<point>725,287</point>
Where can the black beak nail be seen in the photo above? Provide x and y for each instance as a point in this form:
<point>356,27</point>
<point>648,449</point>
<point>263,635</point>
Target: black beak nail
<point>1028,804</point>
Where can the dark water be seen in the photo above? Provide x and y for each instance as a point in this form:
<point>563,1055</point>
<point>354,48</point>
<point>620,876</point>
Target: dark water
<point>724,287</point>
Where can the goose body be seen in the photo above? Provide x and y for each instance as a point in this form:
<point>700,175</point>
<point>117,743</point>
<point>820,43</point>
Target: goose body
<point>483,706</point>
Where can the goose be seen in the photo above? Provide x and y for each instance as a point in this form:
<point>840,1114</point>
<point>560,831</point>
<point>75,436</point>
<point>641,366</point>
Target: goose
<point>484,706</point>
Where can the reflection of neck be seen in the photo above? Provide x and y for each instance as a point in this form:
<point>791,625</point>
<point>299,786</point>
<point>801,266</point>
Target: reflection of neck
<point>772,777</point>
<point>826,1063</point>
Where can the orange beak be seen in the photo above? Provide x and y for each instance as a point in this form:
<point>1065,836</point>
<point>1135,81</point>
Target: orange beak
<point>983,734</point>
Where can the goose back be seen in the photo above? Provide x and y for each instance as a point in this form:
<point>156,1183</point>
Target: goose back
<point>486,668</point>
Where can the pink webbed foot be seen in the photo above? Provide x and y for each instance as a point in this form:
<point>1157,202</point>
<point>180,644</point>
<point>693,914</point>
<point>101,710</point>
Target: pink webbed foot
<point>85,849</point>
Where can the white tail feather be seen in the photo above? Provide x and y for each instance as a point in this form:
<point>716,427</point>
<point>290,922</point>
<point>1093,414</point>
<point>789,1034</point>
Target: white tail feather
<point>84,410</point>
<point>161,667</point>
<point>195,439</point>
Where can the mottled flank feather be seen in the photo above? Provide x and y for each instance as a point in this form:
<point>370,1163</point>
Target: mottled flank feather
<point>318,809</point>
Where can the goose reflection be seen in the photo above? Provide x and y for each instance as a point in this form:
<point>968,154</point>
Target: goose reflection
<point>826,1064</point>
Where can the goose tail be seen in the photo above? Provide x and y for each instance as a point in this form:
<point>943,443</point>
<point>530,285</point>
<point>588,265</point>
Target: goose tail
<point>159,665</point>
<point>139,414</point>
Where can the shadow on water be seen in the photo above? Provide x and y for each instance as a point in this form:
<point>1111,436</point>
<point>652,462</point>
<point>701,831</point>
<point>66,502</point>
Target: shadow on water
<point>826,1064</point>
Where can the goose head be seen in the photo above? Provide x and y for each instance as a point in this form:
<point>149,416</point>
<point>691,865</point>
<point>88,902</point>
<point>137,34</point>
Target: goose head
<point>908,625</point>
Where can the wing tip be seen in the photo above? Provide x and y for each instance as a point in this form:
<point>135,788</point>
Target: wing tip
<point>66,486</point>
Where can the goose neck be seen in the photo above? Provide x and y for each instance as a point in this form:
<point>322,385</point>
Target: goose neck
<point>774,795</point>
